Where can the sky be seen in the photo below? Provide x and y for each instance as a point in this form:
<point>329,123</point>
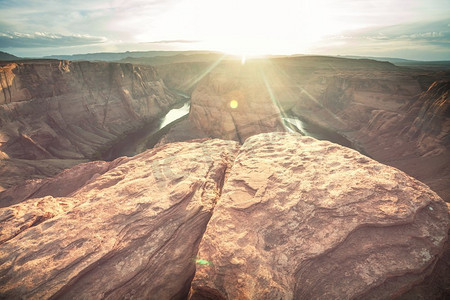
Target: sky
<point>411,29</point>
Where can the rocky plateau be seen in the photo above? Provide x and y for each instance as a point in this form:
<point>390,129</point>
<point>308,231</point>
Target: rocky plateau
<point>280,217</point>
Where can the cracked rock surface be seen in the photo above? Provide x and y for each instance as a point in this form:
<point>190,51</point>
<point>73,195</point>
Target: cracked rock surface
<point>286,217</point>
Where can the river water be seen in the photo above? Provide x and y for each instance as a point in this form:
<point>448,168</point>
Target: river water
<point>147,136</point>
<point>320,133</point>
<point>295,124</point>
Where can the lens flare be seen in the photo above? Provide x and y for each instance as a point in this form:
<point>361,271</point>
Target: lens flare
<point>203,262</point>
<point>233,104</point>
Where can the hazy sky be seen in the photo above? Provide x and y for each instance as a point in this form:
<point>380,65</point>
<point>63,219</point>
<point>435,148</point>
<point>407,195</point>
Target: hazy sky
<point>414,29</point>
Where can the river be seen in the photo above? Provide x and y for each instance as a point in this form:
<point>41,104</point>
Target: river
<point>150,134</point>
<point>147,136</point>
<point>320,133</point>
<point>295,124</point>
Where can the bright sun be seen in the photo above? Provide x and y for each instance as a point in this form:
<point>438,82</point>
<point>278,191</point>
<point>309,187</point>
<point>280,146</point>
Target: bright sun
<point>252,27</point>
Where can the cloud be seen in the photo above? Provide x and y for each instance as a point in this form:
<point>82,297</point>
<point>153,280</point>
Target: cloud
<point>424,32</point>
<point>419,40</point>
<point>284,26</point>
<point>44,40</point>
<point>115,19</point>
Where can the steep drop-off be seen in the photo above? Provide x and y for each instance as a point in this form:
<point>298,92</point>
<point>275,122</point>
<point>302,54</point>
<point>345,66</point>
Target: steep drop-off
<point>54,114</point>
<point>292,218</point>
<point>398,116</point>
<point>416,138</point>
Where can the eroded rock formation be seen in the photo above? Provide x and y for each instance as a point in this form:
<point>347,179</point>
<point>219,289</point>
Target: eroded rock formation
<point>232,101</point>
<point>292,217</point>
<point>416,138</point>
<point>398,116</point>
<point>68,111</point>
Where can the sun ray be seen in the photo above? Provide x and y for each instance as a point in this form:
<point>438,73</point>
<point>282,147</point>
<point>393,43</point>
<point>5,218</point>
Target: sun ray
<point>195,80</point>
<point>273,98</point>
<point>332,114</point>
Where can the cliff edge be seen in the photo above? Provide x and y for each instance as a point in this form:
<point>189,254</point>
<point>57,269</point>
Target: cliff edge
<point>282,216</point>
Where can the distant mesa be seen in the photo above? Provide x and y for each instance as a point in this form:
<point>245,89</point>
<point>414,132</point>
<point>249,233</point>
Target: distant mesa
<point>129,55</point>
<point>7,57</point>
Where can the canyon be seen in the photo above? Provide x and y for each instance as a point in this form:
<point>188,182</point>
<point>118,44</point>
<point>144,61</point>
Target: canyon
<point>230,201</point>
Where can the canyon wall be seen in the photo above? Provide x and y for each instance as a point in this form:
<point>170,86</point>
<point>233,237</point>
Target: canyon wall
<point>55,114</point>
<point>184,76</point>
<point>415,138</point>
<point>59,113</point>
<point>282,216</point>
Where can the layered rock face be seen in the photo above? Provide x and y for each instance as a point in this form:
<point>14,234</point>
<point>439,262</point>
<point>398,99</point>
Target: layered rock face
<point>416,138</point>
<point>185,76</point>
<point>292,218</point>
<point>341,93</point>
<point>60,110</point>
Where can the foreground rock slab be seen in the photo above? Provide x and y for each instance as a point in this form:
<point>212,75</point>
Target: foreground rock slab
<point>307,219</point>
<point>132,232</point>
<point>292,218</point>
